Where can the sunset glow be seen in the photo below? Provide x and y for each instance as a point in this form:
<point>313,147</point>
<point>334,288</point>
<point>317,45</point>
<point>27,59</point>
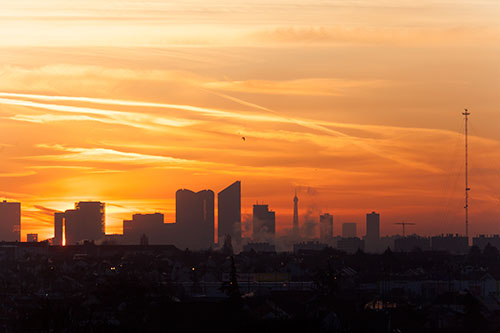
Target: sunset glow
<point>357,105</point>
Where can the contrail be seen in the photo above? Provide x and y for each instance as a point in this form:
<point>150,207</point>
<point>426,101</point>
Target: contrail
<point>112,102</point>
<point>319,127</point>
<point>119,117</point>
<point>275,117</point>
<point>183,107</point>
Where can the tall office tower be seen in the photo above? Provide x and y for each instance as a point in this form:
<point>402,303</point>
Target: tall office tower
<point>296,215</point>
<point>150,225</point>
<point>10,221</point>
<point>349,230</point>
<point>85,222</point>
<point>372,232</point>
<point>229,213</point>
<point>194,216</point>
<point>32,238</point>
<point>264,221</point>
<point>58,228</point>
<point>326,227</point>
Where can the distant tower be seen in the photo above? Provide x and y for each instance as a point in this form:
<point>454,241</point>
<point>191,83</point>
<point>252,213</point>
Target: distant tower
<point>229,213</point>
<point>264,222</point>
<point>467,188</point>
<point>58,228</point>
<point>10,221</point>
<point>372,232</point>
<point>296,214</point>
<point>85,222</point>
<point>194,215</point>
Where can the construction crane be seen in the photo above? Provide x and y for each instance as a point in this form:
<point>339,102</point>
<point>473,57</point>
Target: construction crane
<point>404,224</point>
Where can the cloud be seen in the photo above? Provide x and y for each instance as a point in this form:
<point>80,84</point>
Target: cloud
<point>107,155</point>
<point>116,115</point>
<point>307,190</point>
<point>17,174</point>
<point>379,35</point>
<point>309,226</point>
<point>46,210</point>
<point>46,118</point>
<point>322,130</point>
<point>131,119</point>
<point>298,87</point>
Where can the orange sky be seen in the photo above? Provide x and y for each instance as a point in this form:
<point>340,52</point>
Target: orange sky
<point>357,104</point>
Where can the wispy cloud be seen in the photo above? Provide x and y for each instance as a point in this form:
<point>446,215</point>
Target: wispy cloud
<point>17,174</point>
<point>317,128</point>
<point>379,35</point>
<point>106,155</point>
<point>131,119</point>
<point>299,87</point>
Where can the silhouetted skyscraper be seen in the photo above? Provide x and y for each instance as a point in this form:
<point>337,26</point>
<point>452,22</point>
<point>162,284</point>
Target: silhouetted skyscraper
<point>229,213</point>
<point>372,232</point>
<point>326,227</point>
<point>264,221</point>
<point>194,216</point>
<point>58,228</point>
<point>10,221</point>
<point>85,222</point>
<point>296,215</point>
<point>349,230</point>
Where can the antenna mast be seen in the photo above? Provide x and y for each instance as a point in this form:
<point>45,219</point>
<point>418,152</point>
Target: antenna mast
<point>467,188</point>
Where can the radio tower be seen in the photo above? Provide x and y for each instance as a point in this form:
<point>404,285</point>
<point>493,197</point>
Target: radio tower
<point>467,188</point>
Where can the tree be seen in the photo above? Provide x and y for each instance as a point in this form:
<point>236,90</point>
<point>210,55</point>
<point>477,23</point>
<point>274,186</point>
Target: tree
<point>474,255</point>
<point>227,248</point>
<point>490,253</point>
<point>231,287</point>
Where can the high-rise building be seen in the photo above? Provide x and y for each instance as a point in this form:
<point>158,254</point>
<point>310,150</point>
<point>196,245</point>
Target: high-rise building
<point>229,213</point>
<point>73,227</point>
<point>32,238</point>
<point>326,228</point>
<point>372,232</point>
<point>194,216</point>
<point>58,228</point>
<point>264,221</point>
<point>296,215</point>
<point>349,230</point>
<point>10,221</point>
<point>85,222</point>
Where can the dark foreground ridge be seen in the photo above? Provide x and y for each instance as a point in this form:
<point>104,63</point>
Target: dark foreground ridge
<point>118,288</point>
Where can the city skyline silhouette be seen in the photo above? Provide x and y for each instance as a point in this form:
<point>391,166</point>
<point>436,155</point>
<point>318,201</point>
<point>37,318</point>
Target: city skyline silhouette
<point>359,112</point>
<point>250,166</point>
<point>195,228</point>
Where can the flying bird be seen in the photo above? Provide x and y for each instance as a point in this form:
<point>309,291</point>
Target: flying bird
<point>243,138</point>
